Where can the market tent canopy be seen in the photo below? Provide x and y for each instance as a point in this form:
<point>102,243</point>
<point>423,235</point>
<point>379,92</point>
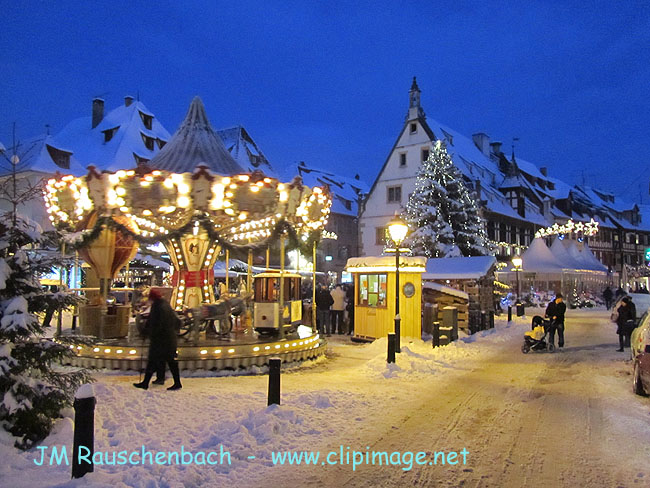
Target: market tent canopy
<point>539,258</point>
<point>473,267</point>
<point>561,253</point>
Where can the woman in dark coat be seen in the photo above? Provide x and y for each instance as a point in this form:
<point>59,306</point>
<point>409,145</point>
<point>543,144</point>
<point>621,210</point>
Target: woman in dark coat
<point>161,328</point>
<point>626,321</point>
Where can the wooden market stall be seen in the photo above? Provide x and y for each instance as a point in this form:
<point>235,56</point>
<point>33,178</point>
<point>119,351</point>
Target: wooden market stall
<point>471,275</point>
<point>374,301</point>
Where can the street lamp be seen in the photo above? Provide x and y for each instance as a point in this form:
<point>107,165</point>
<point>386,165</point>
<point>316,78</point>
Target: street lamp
<point>397,229</point>
<point>517,262</point>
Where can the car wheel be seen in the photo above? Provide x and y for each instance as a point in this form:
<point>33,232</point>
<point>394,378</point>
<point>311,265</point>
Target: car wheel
<point>637,385</point>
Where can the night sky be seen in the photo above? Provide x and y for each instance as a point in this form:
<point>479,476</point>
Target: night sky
<point>328,83</point>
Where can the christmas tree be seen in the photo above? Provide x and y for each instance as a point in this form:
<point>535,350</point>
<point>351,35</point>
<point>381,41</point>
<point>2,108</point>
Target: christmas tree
<point>33,388</point>
<point>442,211</point>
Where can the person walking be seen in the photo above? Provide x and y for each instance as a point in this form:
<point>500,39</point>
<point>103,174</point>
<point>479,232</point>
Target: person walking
<point>323,303</point>
<point>338,307</point>
<point>161,328</point>
<point>350,308</point>
<point>626,322</point>
<point>608,294</point>
<point>555,311</point>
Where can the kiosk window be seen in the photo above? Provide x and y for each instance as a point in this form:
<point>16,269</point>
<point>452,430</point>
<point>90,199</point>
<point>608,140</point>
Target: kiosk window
<point>372,290</point>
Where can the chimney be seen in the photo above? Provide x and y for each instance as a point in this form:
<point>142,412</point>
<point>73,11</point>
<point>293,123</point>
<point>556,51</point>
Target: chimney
<point>128,100</point>
<point>98,111</point>
<point>544,170</point>
<point>546,209</point>
<point>496,147</point>
<point>482,142</point>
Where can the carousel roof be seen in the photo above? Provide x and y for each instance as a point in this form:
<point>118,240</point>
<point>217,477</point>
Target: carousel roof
<point>196,143</point>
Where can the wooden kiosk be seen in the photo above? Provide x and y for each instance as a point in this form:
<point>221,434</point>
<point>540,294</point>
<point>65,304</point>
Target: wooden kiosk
<point>374,301</point>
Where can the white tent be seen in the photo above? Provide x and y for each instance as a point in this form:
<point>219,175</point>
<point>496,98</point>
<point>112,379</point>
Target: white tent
<point>539,258</point>
<point>590,258</point>
<point>561,253</point>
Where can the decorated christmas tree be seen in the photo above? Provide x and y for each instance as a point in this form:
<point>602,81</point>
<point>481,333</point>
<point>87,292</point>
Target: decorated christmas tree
<point>442,212</point>
<point>33,387</point>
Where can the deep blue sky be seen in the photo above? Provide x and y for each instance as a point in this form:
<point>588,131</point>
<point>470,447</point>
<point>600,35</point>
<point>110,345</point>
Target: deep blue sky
<point>327,83</point>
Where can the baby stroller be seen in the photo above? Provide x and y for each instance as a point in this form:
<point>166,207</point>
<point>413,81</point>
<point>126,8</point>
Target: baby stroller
<point>535,340</point>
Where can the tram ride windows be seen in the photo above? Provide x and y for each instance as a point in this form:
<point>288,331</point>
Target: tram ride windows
<point>372,290</point>
<point>267,289</point>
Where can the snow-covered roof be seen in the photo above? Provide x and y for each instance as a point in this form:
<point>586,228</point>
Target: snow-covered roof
<point>385,263</point>
<point>88,145</point>
<point>245,151</point>
<point>458,268</point>
<point>448,290</point>
<point>35,156</point>
<point>345,191</point>
<point>196,143</point>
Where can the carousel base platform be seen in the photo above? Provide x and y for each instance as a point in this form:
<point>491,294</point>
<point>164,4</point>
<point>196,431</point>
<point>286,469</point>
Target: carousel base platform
<point>239,350</point>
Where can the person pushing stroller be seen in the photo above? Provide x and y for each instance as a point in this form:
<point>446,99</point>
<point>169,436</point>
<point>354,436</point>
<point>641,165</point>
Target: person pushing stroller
<point>555,312</point>
<point>535,339</point>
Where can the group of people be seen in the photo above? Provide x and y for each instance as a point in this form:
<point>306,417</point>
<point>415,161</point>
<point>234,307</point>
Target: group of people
<point>331,307</point>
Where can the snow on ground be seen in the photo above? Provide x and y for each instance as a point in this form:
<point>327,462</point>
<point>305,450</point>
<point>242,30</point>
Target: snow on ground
<point>480,392</point>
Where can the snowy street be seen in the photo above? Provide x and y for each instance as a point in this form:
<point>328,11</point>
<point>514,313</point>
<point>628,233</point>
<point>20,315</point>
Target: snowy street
<point>562,419</point>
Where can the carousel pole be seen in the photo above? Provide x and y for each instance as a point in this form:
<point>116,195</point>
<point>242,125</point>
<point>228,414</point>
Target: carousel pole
<point>268,256</point>
<point>227,272</point>
<point>126,284</point>
<point>249,277</point>
<point>313,291</point>
<point>75,284</point>
<point>281,286</point>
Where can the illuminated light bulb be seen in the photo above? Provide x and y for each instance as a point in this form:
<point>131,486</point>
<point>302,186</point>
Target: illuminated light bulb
<point>168,183</point>
<point>243,177</point>
<point>204,351</point>
<point>183,202</point>
<point>120,191</point>
<point>107,350</point>
<point>243,216</point>
<point>255,189</point>
<point>231,351</point>
<point>217,351</point>
<point>146,212</point>
<point>132,351</point>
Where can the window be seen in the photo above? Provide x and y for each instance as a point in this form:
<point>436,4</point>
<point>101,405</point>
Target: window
<point>394,194</point>
<point>511,196</point>
<point>402,160</point>
<point>372,290</point>
<point>380,236</point>
<point>60,158</point>
<point>109,133</point>
<point>425,154</point>
<point>139,159</point>
<point>161,143</point>
<point>148,141</point>
<point>414,128</point>
<point>147,120</point>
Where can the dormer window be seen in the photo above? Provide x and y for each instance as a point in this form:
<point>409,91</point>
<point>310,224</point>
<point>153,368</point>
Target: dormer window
<point>139,159</point>
<point>161,143</point>
<point>61,158</point>
<point>551,185</point>
<point>147,120</point>
<point>109,133</point>
<point>414,128</point>
<point>148,141</point>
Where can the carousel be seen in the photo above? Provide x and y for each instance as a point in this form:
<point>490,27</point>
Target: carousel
<point>196,215</point>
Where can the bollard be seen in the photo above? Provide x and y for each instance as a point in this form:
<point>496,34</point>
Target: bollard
<point>436,334</point>
<point>391,348</point>
<point>520,310</point>
<point>398,333</point>
<point>274,381</point>
<point>509,313</point>
<point>484,321</point>
<point>491,319</point>
<point>84,430</point>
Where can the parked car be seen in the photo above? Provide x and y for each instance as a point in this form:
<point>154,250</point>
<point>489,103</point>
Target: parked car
<point>640,336</point>
<point>641,377</point>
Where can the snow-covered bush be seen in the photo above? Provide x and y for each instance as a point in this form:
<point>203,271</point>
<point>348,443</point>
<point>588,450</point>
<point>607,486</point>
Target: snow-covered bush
<point>33,388</point>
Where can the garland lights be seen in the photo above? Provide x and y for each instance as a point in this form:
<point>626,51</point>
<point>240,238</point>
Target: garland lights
<point>586,228</point>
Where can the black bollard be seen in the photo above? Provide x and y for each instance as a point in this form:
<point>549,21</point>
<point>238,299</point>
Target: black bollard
<point>391,348</point>
<point>509,313</point>
<point>436,334</point>
<point>84,435</point>
<point>274,381</point>
<point>484,322</point>
<point>491,319</point>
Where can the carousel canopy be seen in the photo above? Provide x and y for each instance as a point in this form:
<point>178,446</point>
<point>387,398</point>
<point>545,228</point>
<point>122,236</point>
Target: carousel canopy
<point>196,143</point>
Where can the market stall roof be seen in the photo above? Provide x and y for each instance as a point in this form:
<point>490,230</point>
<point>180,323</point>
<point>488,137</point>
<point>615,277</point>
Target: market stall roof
<point>445,289</point>
<point>584,259</point>
<point>590,258</point>
<point>538,257</point>
<point>473,267</point>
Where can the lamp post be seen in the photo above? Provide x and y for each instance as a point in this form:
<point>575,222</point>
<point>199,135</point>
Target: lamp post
<point>517,262</point>
<point>397,229</point>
